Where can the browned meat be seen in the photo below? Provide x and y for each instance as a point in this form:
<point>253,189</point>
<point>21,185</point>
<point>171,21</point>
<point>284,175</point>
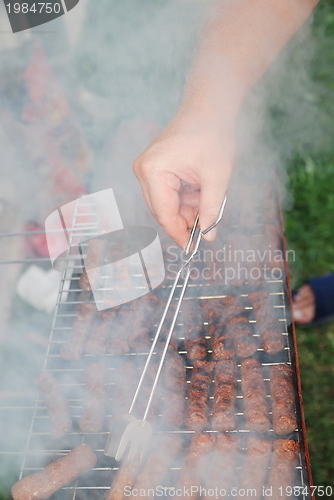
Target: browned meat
<point>56,404</point>
<point>255,399</point>
<point>223,413</point>
<point>142,327</point>
<point>283,399</point>
<point>254,468</point>
<point>95,400</point>
<point>126,381</point>
<point>121,326</point>
<point>74,345</point>
<point>238,327</point>
<point>84,281</point>
<point>124,480</point>
<point>221,339</point>
<point>194,329</point>
<point>267,322</point>
<point>144,395</point>
<point>198,396</point>
<point>175,386</point>
<point>158,463</point>
<point>221,466</point>
<point>93,259</point>
<point>126,378</point>
<point>44,483</point>
<point>97,340</point>
<point>283,469</point>
<point>193,469</point>
<point>243,340</point>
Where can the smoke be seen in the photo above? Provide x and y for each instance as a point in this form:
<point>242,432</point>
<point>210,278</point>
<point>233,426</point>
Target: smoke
<point>122,67</point>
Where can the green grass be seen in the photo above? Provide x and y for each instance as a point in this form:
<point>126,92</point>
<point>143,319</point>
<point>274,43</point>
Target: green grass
<point>310,232</point>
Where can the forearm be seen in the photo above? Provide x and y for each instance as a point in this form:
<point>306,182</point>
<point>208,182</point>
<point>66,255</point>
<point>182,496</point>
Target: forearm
<point>240,41</point>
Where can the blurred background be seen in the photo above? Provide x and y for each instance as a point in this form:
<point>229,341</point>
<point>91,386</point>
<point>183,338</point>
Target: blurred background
<point>109,77</point>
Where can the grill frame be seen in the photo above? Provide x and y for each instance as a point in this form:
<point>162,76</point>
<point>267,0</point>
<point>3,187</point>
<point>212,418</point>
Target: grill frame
<point>63,312</point>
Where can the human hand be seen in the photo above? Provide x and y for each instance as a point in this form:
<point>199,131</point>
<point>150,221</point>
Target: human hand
<point>186,170</point>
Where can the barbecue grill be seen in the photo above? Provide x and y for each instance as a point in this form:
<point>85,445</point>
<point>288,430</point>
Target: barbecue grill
<point>41,449</point>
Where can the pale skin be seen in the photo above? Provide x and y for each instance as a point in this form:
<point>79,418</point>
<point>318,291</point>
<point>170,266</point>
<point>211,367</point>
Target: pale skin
<point>187,168</point>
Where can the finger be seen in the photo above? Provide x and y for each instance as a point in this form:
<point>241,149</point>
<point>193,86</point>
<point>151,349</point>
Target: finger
<point>190,199</point>
<point>189,214</point>
<point>213,191</point>
<point>163,191</point>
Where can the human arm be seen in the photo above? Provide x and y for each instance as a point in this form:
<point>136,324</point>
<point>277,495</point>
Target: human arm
<point>188,166</point>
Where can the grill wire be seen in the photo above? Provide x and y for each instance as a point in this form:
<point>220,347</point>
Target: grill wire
<point>40,448</point>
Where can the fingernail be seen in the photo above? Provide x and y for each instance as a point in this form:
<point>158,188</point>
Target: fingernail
<point>210,236</point>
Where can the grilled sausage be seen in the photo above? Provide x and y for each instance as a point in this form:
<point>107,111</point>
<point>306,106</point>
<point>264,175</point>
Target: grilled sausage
<point>120,329</point>
<point>221,339</point>
<point>283,399</point>
<point>221,467</point>
<point>55,403</point>
<point>223,413</point>
<point>266,322</point>
<point>74,345</point>
<point>126,377</point>
<point>194,330</point>
<point>124,479</point>
<point>126,380</point>
<point>193,469</point>
<point>95,400</point>
<point>93,260</point>
<point>283,469</point>
<point>158,463</point>
<point>255,399</point>
<point>44,483</point>
<point>254,468</point>
<point>238,327</point>
<point>97,339</point>
<point>144,395</point>
<point>144,321</point>
<point>198,396</point>
<point>175,385</point>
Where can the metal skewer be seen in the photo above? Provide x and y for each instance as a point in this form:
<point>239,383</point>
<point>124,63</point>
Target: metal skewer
<point>126,429</point>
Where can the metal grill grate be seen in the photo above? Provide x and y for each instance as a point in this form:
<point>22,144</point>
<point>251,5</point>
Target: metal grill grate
<point>42,449</point>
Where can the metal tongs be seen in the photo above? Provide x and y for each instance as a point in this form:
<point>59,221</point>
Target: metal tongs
<point>127,431</point>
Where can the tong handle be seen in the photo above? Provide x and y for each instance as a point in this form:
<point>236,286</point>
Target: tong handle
<point>184,287</point>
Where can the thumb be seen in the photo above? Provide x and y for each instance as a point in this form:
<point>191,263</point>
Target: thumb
<point>211,199</point>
